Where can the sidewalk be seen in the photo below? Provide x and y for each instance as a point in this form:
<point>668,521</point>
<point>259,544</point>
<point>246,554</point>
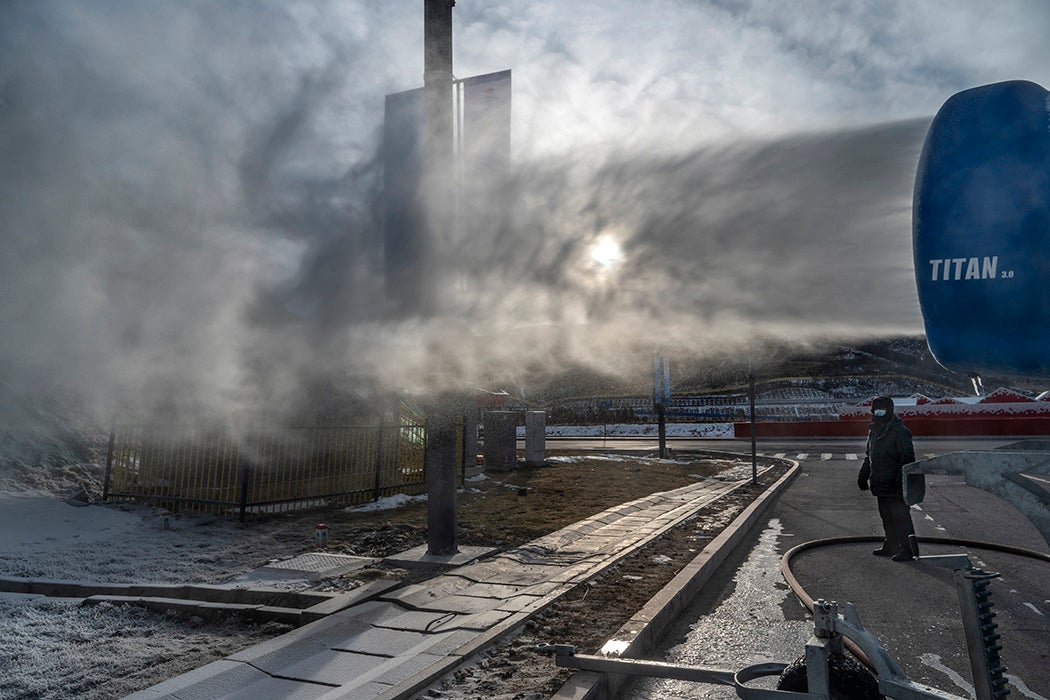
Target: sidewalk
<point>398,644</point>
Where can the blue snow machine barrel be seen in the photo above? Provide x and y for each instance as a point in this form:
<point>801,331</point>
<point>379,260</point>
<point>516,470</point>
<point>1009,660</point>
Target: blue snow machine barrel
<point>981,231</point>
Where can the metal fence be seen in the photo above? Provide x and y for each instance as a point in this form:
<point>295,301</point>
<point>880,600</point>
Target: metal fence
<point>265,472</point>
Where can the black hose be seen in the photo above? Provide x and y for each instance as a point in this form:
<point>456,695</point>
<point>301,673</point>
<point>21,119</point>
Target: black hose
<point>807,600</point>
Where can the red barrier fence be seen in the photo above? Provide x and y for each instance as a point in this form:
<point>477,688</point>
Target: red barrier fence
<point>1015,426</point>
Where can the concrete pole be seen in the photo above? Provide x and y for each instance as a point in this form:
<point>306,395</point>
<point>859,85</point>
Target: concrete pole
<point>754,444</point>
<point>442,464</point>
<point>438,175</point>
<point>662,429</point>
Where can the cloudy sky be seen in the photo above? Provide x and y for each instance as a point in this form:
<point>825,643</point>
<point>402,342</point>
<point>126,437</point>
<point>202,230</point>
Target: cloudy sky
<point>189,188</point>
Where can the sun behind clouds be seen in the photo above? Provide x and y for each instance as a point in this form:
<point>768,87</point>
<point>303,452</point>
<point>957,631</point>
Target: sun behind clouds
<point>606,253</point>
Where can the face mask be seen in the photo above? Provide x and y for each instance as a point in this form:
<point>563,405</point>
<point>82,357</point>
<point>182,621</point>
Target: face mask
<point>879,412</point>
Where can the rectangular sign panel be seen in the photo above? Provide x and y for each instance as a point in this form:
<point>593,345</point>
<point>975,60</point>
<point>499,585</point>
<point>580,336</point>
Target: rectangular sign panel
<point>403,212</point>
<point>486,122</point>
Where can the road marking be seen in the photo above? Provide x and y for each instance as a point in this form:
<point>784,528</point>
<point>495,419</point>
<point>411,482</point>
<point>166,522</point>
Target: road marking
<point>1022,688</point>
<point>825,456</point>
<point>780,454</point>
<point>802,455</point>
<point>928,455</point>
<point>852,456</point>
<point>1035,609</point>
<point>934,661</point>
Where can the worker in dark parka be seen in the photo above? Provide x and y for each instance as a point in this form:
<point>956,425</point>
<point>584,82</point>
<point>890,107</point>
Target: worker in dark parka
<point>889,448</point>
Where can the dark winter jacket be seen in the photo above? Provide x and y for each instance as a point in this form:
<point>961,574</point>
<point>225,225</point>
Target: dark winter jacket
<point>889,448</point>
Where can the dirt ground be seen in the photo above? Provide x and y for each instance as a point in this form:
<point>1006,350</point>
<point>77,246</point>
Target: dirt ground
<point>506,509</point>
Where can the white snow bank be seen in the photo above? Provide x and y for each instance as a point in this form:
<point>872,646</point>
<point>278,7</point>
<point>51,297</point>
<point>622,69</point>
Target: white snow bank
<point>388,503</point>
<point>711,430</point>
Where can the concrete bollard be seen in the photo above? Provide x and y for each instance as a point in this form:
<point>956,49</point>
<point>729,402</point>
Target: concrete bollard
<point>501,439</point>
<point>535,437</point>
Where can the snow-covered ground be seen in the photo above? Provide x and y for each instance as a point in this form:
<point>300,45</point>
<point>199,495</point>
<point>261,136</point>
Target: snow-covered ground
<point>56,648</point>
<point>712,430</point>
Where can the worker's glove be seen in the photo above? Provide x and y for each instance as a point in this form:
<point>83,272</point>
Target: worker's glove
<point>862,483</point>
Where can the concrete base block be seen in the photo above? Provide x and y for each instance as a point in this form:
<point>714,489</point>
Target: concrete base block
<point>470,472</point>
<point>417,557</point>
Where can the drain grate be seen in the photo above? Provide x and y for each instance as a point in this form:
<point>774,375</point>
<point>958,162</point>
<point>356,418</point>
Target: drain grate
<point>320,565</point>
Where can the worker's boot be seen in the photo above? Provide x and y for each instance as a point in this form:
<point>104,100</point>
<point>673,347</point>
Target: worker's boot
<point>885,550</point>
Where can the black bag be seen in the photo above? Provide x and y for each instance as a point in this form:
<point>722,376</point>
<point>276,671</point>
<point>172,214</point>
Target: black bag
<point>914,488</point>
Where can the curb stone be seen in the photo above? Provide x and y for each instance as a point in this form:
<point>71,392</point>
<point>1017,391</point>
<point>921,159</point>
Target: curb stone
<point>586,571</point>
<point>640,635</point>
<point>557,562</point>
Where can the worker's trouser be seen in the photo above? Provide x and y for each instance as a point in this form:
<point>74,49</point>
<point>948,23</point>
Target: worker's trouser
<point>896,521</point>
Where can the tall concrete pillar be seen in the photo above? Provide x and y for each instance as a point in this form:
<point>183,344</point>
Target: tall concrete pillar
<point>438,146</point>
<point>501,439</point>
<point>442,465</point>
<point>535,437</point>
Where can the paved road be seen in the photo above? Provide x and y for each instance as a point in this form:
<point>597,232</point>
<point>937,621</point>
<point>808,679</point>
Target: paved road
<point>747,615</point>
<point>798,448</point>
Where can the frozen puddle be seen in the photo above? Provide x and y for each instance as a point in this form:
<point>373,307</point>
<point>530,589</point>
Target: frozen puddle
<point>748,627</point>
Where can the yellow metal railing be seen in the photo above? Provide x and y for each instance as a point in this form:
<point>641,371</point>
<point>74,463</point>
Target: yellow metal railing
<point>265,472</point>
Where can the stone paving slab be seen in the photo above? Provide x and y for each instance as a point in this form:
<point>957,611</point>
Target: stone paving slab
<point>460,604</point>
<point>393,646</point>
<point>418,594</point>
<point>416,620</point>
<point>387,642</point>
<point>331,667</point>
<point>231,681</point>
<point>478,621</point>
<point>519,603</point>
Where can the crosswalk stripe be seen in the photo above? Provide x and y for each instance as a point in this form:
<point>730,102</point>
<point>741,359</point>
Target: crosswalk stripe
<point>824,456</point>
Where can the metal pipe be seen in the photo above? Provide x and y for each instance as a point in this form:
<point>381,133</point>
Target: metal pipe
<point>807,600</point>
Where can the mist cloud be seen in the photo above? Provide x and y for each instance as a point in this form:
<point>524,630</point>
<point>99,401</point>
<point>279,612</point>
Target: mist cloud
<point>189,193</point>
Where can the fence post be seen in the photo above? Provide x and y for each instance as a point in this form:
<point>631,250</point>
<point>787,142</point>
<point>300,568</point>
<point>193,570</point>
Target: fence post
<point>378,462</point>
<point>245,475</point>
<point>109,460</point>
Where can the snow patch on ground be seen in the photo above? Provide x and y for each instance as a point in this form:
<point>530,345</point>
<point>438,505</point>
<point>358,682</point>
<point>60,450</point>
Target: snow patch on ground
<point>55,648</point>
<point>389,503</point>
<point>713,430</point>
<point>46,538</point>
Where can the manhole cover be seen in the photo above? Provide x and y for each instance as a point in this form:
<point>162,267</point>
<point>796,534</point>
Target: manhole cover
<point>320,565</point>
